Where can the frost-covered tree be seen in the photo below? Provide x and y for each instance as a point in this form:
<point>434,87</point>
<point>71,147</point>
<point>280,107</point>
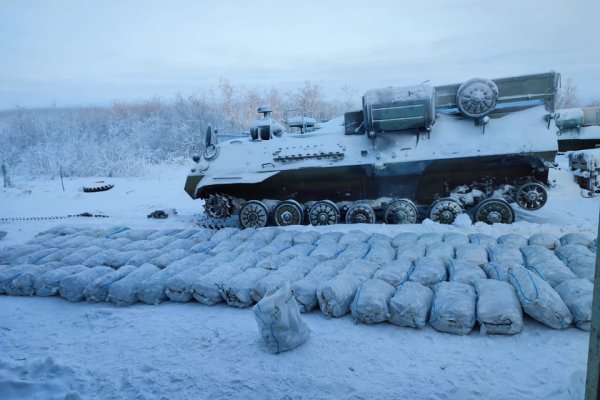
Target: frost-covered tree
<point>567,95</point>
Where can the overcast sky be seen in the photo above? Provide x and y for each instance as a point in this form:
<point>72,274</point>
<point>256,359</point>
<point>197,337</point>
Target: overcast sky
<point>78,52</point>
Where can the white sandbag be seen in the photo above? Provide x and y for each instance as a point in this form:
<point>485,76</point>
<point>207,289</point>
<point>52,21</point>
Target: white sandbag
<point>225,246</point>
<point>206,289</point>
<point>475,253</point>
<point>455,238</point>
<point>79,256</point>
<point>120,258</point>
<point>465,272</point>
<point>179,244</point>
<point>404,238</point>
<point>41,238</point>
<point>309,237</point>
<point>56,256</point>
<point>336,294</point>
<point>453,308</point>
<point>124,291</point>
<point>497,271</point>
<point>169,257</point>
<point>327,251</point>
<point>100,258</point>
<point>410,305</point>
<point>279,321</point>
<point>443,251</point>
<point>24,284</point>
<point>75,241</point>
<point>140,245</point>
<point>298,250</point>
<point>305,289</point>
<point>272,249</point>
<point>412,251</point>
<point>578,295</point>
<point>282,236</point>
<point>152,289</point>
<point>429,271</point>
<point>538,299</point>
<point>505,254</point>
<point>370,304</point>
<point>7,274</point>
<point>202,247</point>
<point>395,272</point>
<point>243,234</point>
<point>544,239</point>
<point>354,237</point>
<point>223,234</point>
<point>161,242</point>
<point>273,262</point>
<point>482,239</point>
<point>381,252</point>
<point>546,264</point>
<point>97,291</point>
<point>48,284</point>
<point>576,238</point>
<point>330,237</point>
<point>430,237</point>
<point>568,251</point>
<point>583,266</point>
<point>179,287</point>
<point>109,243</point>
<point>293,270</point>
<point>187,233</point>
<point>265,235</point>
<point>36,256</point>
<point>237,291</point>
<point>134,234</point>
<point>72,287</point>
<point>8,256</point>
<point>203,235</point>
<point>513,239</point>
<point>354,250</point>
<point>498,309</point>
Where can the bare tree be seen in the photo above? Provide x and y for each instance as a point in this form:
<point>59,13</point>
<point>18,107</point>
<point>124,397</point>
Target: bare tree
<point>567,95</point>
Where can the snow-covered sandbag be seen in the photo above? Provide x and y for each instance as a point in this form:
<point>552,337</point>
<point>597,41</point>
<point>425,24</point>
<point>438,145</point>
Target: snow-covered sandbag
<point>7,274</point>
<point>578,295</point>
<point>568,251</point>
<point>134,234</point>
<point>482,239</point>
<point>24,284</point>
<point>272,249</point>
<point>354,237</point>
<point>206,289</point>
<point>538,299</point>
<point>279,321</point>
<point>202,247</point>
<point>161,242</point>
<point>243,234</point>
<point>124,291</point>
<point>442,251</point>
<point>546,264</point>
<point>544,239</point>
<point>109,243</point>
<point>465,272</point>
<point>294,270</point>
<point>76,241</point>
<point>498,307</point>
<point>164,232</point>
<point>152,289</point>
<point>336,294</point>
<point>395,272</point>
<point>48,283</point>
<point>136,257</point>
<point>370,304</point>
<point>583,266</point>
<point>305,289</point>
<point>429,271</point>
<point>8,256</point>
<point>79,256</point>
<point>298,250</point>
<point>455,238</point>
<point>453,308</point>
<point>97,291</point>
<point>223,234</point>
<point>203,235</point>
<point>170,257</point>
<point>265,235</point>
<point>140,245</point>
<point>327,251</point>
<point>56,256</point>
<point>72,287</point>
<point>430,237</point>
<point>354,250</point>
<point>41,239</point>
<point>576,238</point>
<point>497,271</point>
<point>179,244</point>
<point>309,237</point>
<point>100,258</point>
<point>505,254</point>
<point>404,238</point>
<point>329,237</point>
<point>273,262</point>
<point>36,256</point>
<point>282,236</point>
<point>237,291</point>
<point>412,251</point>
<point>226,245</point>
<point>410,305</point>
<point>381,252</point>
<point>187,233</point>
<point>475,253</point>
<point>513,239</point>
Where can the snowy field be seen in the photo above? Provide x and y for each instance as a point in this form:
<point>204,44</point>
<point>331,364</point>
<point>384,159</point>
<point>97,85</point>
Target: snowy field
<point>53,348</point>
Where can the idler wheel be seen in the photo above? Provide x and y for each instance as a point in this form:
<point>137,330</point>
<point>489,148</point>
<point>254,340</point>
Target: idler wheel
<point>324,212</point>
<point>445,210</point>
<point>531,196</point>
<point>288,212</point>
<point>401,212</point>
<point>254,214</point>
<point>494,211</point>
<point>477,97</point>
<point>360,214</point>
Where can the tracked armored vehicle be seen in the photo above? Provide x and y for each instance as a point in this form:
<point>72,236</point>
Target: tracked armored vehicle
<point>410,153</point>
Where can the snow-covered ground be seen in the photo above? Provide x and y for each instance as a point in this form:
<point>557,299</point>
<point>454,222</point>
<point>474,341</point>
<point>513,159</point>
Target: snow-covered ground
<point>51,348</point>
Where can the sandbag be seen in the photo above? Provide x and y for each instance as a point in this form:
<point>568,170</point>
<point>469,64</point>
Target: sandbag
<point>161,242</point>
<point>72,287</point>
<point>443,251</point>
<point>202,247</point>
<point>497,271</point>
<point>568,251</point>
<point>48,284</point>
<point>505,254</point>
<point>135,234</point>
<point>298,250</point>
<point>8,256</point>
<point>395,272</point>
<point>404,238</point>
<point>578,296</point>
<point>453,308</point>
<point>544,239</point>
<point>329,237</point>
<point>279,321</point>
<point>430,237</point>
<point>429,271</point>
<point>583,266</point>
<point>305,289</point>
<point>110,243</point>
<point>465,272</point>
<point>56,256</point>
<point>75,241</point>
<point>327,251</point>
<point>294,270</point>
<point>179,244</point>
<point>354,237</point>
<point>455,238</point>
<point>203,235</point>
<point>370,304</point>
<point>97,291</point>
<point>206,288</point>
<point>169,257</point>
<point>237,291</point>
<point>513,239</point>
<point>538,299</point>
<point>309,237</point>
<point>544,262</point>
<point>265,235</point>
<point>482,239</point>
<point>24,284</point>
<point>412,251</point>
<point>36,256</point>
<point>272,249</point>
<point>381,252</point>
<point>576,238</point>
<point>187,233</point>
<point>124,291</point>
<point>7,274</point>
<point>135,257</point>
<point>354,250</point>
<point>79,256</point>
<point>152,289</point>
<point>223,234</point>
<point>474,253</point>
<point>100,258</point>
<point>410,305</point>
<point>225,246</point>
<point>273,262</point>
<point>498,308</point>
<point>283,237</point>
